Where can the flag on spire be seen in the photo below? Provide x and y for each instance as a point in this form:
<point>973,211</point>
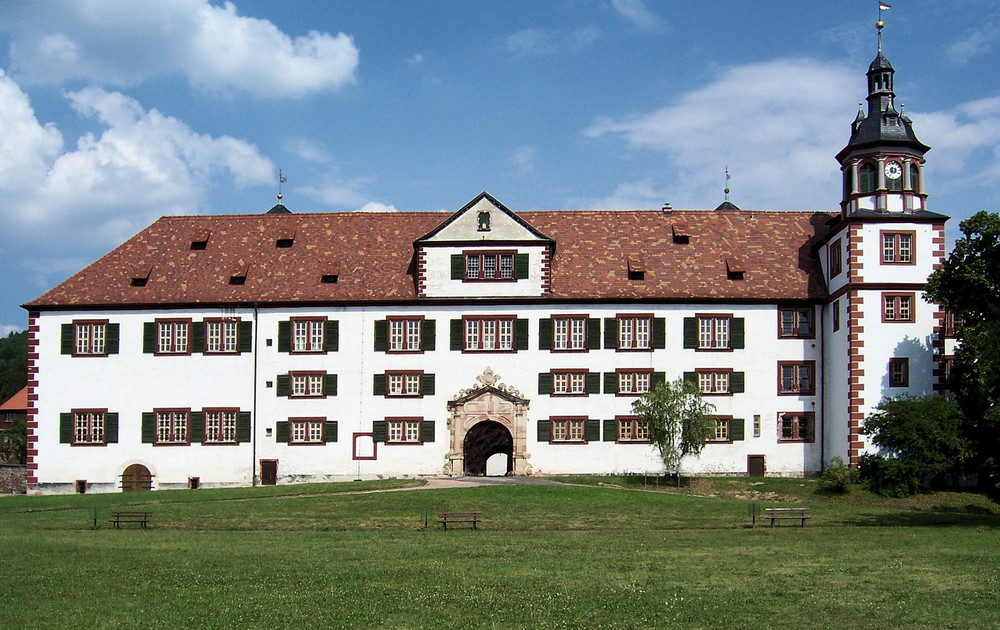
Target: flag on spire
<point>884,6</point>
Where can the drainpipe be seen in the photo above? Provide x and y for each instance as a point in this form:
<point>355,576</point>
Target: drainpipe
<point>253,415</point>
<point>822,393</point>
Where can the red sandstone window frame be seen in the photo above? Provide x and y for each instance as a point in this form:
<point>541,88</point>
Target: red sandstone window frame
<point>790,320</point>
<point>637,430</point>
<point>722,431</point>
<point>406,376</point>
<point>174,424</point>
<point>896,313</point>
<point>570,321</point>
<point>899,372</point>
<point>90,428</point>
<point>409,342</point>
<point>497,337</point>
<point>222,323</point>
<point>894,252</point>
<point>572,377</point>
<point>309,377</point>
<point>715,376</point>
<point>836,258</point>
<point>634,373</point>
<point>308,426</point>
<point>790,378</point>
<point>481,257</point>
<point>310,336</point>
<point>567,428</point>
<point>714,344</point>
<point>91,325</point>
<point>796,426</point>
<point>406,424</point>
<point>219,438</point>
<point>634,320</point>
<point>168,328</point>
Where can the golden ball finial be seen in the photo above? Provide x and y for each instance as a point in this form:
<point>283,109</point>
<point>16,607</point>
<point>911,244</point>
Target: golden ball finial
<point>280,196</point>
<point>879,24</point>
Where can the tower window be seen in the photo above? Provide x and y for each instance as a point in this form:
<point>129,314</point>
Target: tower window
<point>868,178</point>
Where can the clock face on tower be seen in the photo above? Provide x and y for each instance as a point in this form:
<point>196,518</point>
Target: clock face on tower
<point>893,170</point>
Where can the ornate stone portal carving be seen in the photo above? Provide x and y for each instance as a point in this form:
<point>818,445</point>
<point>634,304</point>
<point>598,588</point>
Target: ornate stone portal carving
<point>489,401</point>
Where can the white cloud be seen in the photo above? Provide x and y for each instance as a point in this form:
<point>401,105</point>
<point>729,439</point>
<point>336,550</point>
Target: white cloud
<point>309,150</point>
<point>541,41</point>
<point>143,164</point>
<point>642,194</point>
<point>976,43</point>
<point>966,143</point>
<point>344,194</point>
<point>415,60</point>
<point>374,206</point>
<point>215,47</point>
<point>636,12</point>
<point>6,329</point>
<point>770,122</point>
<point>523,159</point>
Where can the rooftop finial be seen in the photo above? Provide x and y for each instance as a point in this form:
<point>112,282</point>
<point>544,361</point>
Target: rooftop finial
<point>727,182</point>
<point>281,180</point>
<point>882,6</point>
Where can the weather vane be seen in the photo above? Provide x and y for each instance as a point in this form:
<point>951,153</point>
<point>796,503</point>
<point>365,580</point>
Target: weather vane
<point>882,6</point>
<point>727,182</point>
<point>281,180</point>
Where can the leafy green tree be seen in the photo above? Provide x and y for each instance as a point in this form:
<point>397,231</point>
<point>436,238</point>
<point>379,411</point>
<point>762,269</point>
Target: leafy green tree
<point>925,435</point>
<point>13,364</point>
<point>14,443</point>
<point>968,284</point>
<point>678,421</point>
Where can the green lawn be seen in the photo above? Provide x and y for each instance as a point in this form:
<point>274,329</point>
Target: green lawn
<point>603,553</point>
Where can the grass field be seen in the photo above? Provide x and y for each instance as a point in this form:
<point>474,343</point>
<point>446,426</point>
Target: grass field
<point>601,553</point>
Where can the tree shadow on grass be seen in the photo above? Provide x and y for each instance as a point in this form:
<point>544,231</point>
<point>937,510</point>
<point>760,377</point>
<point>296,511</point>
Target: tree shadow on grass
<point>969,516</point>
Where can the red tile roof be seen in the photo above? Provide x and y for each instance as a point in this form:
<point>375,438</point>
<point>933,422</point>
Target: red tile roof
<point>17,402</point>
<point>373,256</point>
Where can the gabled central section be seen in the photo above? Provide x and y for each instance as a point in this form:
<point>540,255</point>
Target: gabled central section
<point>483,250</point>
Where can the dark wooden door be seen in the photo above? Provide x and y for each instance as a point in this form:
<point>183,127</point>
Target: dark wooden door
<point>135,478</point>
<point>755,465</point>
<point>268,472</point>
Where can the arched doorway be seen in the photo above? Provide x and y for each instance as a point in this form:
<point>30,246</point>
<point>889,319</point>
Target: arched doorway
<point>136,477</point>
<point>482,442</point>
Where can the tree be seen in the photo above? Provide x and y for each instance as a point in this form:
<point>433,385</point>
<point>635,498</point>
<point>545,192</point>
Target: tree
<point>968,284</point>
<point>678,421</point>
<point>13,364</point>
<point>14,443</point>
<point>925,435</point>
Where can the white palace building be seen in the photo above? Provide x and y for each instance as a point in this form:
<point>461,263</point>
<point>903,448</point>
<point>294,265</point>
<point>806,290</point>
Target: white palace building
<point>288,347</point>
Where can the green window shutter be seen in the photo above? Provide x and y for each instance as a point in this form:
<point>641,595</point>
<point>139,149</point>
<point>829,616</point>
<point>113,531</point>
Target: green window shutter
<point>691,377</point>
<point>379,384</point>
<point>379,430</point>
<point>381,335</point>
<point>66,425</point>
<point>610,430</point>
<point>545,334</point>
<point>736,433</point>
<point>659,337</point>
<point>611,382</point>
<point>737,383</point>
<point>282,432</point>
<point>428,335</point>
<point>457,266</point>
<point>520,266</point>
<point>330,431</point>
<point>244,336</point>
<point>656,378</point>
<point>111,341</point>
<point>331,336</point>
<point>544,383</point>
<point>520,334</point>
<point>197,336</point>
<point>329,384</point>
<point>148,427</point>
<point>592,430</point>
<point>111,428</point>
<point>243,426</point>
<point>285,336</point>
<point>610,333</point>
<point>148,337</point>
<point>426,430</point>
<point>457,335</point>
<point>197,433</point>
<point>690,332</point>
<point>67,339</point>
<point>593,383</point>
<point>427,384</point>
<point>593,333</point>
<point>283,385</point>
<point>737,337</point>
<point>544,430</point>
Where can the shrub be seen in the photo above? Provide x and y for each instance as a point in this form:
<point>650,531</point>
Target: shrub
<point>837,477</point>
<point>888,477</point>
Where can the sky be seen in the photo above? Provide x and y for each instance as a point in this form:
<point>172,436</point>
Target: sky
<point>115,112</point>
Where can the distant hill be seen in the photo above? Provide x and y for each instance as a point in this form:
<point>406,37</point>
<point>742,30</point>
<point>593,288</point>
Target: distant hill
<point>13,364</point>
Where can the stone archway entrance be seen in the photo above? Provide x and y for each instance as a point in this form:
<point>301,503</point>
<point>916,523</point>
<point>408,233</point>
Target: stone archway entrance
<point>136,478</point>
<point>487,420</point>
<point>484,441</point>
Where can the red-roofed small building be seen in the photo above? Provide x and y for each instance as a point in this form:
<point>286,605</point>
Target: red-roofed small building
<point>14,407</point>
<point>292,347</point>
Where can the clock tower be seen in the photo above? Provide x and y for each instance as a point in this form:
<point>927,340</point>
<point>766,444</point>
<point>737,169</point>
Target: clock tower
<point>882,163</point>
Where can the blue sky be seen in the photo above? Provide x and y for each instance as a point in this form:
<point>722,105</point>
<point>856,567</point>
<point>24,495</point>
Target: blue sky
<point>113,112</point>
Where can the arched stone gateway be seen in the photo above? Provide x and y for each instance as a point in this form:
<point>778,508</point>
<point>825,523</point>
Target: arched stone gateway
<point>136,478</point>
<point>485,420</point>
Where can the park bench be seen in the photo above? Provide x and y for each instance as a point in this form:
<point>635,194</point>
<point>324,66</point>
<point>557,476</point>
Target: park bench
<point>140,518</point>
<point>794,513</point>
<point>451,518</point>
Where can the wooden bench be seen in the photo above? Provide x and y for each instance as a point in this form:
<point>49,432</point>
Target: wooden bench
<point>793,513</point>
<point>450,518</point>
<point>140,518</point>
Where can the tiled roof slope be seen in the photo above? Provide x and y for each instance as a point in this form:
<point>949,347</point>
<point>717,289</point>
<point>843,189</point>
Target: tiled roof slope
<point>373,256</point>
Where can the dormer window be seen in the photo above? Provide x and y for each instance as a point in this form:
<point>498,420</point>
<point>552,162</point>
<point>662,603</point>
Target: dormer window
<point>330,278</point>
<point>239,275</point>
<point>199,240</point>
<point>484,221</point>
<point>489,266</point>
<point>140,275</point>
<point>636,267</point>
<point>734,268</point>
<point>283,243</point>
<point>682,236</point>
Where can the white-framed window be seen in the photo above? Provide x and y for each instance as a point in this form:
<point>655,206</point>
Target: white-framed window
<point>713,332</point>
<point>721,433</point>
<point>569,333</point>
<point>88,427</point>
<point>90,338</point>
<point>172,336</point>
<point>489,333</point>
<point>306,384</point>
<point>404,335</point>
<point>796,377</point>
<point>307,335</point>
<point>569,383</point>
<point>221,336</point>
<point>403,430</point>
<point>568,429</point>
<point>633,332</point>
<point>172,427</point>
<point>634,381</point>
<point>403,383</point>
<point>632,429</point>
<point>305,431</point>
<point>220,426</point>
<point>489,266</point>
<point>714,381</point>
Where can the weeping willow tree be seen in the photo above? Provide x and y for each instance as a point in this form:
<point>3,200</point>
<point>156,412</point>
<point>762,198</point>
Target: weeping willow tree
<point>678,419</point>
